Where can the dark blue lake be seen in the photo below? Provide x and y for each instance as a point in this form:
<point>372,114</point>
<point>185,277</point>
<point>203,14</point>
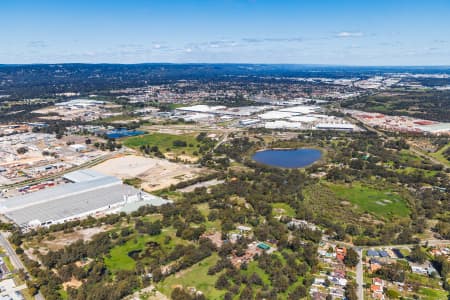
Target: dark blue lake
<point>288,158</point>
<point>119,133</point>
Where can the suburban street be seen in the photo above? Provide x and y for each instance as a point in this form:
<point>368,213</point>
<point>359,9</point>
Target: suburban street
<point>360,276</point>
<point>359,250</point>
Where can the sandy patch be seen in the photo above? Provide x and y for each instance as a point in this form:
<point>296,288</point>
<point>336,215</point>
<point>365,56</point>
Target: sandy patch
<point>149,293</point>
<point>64,239</point>
<point>181,157</point>
<point>73,283</point>
<point>155,173</point>
<point>206,184</point>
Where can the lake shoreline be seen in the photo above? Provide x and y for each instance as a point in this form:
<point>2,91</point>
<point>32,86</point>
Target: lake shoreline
<point>289,158</point>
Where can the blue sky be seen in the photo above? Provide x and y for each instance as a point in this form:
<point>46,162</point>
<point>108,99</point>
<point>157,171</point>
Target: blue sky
<point>349,32</point>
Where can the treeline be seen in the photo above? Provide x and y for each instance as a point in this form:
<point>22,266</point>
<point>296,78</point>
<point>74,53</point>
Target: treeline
<point>429,105</point>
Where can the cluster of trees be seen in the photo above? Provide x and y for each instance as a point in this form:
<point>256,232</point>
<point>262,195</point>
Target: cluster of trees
<point>150,228</point>
<point>180,144</point>
<point>147,149</point>
<point>352,258</point>
<point>427,104</point>
<point>418,255</point>
<point>443,229</point>
<point>22,150</point>
<point>442,265</point>
<point>110,145</point>
<point>182,294</point>
<point>393,272</point>
<point>446,153</point>
<point>293,268</point>
<point>95,275</point>
<point>364,156</point>
<point>237,148</point>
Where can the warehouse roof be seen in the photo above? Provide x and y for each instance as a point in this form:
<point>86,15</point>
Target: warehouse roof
<point>147,199</point>
<point>71,205</point>
<point>335,126</point>
<point>83,175</point>
<point>302,109</point>
<point>57,193</point>
<point>90,192</point>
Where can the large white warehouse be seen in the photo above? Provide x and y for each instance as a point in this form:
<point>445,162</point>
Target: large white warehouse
<point>90,193</point>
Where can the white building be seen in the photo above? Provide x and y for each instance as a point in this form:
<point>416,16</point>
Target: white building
<point>90,193</point>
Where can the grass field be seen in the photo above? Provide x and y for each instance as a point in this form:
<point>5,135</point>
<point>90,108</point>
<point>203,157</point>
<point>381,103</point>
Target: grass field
<point>120,260</point>
<point>280,208</point>
<point>210,225</point>
<point>411,170</point>
<point>253,268</point>
<point>439,155</point>
<point>196,276</point>
<point>429,294</point>
<point>380,203</point>
<point>164,142</point>
<point>406,156</point>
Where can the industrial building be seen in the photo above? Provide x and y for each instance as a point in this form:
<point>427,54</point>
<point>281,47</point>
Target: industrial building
<point>81,103</point>
<point>87,193</point>
<point>242,111</point>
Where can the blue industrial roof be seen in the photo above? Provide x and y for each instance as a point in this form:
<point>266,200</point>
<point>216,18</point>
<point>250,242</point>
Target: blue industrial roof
<point>383,253</point>
<point>372,253</point>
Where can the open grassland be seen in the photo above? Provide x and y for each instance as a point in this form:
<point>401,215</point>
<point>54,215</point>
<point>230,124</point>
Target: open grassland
<point>284,209</point>
<point>429,294</point>
<point>411,170</point>
<point>119,258</point>
<point>382,203</point>
<point>252,267</point>
<point>205,210</point>
<point>407,157</point>
<point>439,155</point>
<point>165,142</point>
<point>197,277</point>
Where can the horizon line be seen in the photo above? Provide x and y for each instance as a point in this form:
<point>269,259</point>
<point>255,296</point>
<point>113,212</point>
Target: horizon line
<point>227,63</point>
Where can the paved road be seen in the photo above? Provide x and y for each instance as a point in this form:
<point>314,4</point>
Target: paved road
<point>359,250</point>
<point>222,140</point>
<point>420,153</point>
<point>15,260</point>
<point>88,164</point>
<point>360,276</point>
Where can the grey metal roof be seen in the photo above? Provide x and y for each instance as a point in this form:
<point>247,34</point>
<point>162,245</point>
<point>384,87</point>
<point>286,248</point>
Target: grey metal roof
<point>71,205</point>
<point>83,175</point>
<point>147,199</point>
<point>58,192</point>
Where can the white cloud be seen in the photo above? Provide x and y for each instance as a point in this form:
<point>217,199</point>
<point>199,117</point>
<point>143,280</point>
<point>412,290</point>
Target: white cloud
<point>349,34</point>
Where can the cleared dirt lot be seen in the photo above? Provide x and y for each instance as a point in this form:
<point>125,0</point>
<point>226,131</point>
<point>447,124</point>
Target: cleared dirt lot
<point>155,173</point>
<point>61,240</point>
